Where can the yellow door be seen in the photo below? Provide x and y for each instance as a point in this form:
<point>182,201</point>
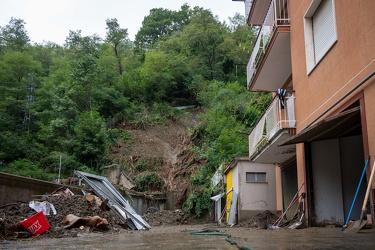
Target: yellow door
<point>229,193</point>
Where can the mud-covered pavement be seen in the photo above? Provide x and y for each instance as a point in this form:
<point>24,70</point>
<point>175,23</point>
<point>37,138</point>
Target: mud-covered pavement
<point>170,230</point>
<point>180,237</point>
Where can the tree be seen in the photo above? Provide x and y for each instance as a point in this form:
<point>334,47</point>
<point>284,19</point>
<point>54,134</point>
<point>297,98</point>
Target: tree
<point>17,84</point>
<point>116,36</point>
<point>46,54</point>
<point>204,35</point>
<point>78,45</point>
<point>91,139</point>
<point>84,78</point>
<point>161,22</point>
<point>18,81</point>
<point>156,76</point>
<point>236,49</point>
<point>14,35</point>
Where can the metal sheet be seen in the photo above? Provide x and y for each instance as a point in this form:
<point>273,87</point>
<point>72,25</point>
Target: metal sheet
<point>105,190</point>
<point>233,209</point>
<point>347,123</point>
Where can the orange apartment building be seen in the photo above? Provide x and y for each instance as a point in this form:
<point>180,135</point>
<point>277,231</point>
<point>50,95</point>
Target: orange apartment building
<point>318,58</point>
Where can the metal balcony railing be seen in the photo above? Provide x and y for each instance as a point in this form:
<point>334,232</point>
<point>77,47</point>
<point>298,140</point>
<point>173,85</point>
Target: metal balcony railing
<point>277,16</point>
<point>248,4</point>
<point>274,120</point>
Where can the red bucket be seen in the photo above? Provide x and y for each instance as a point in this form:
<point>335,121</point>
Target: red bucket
<point>36,224</point>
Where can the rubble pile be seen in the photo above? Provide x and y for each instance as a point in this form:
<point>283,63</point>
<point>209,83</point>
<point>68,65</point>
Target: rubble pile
<point>260,220</point>
<point>175,217</point>
<point>12,214</point>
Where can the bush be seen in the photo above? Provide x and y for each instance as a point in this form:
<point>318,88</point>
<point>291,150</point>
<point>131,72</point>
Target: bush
<point>198,203</point>
<point>27,168</point>
<point>140,166</point>
<point>148,182</point>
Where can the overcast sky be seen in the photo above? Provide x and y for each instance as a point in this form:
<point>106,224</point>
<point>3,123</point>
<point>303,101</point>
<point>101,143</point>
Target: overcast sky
<point>51,20</point>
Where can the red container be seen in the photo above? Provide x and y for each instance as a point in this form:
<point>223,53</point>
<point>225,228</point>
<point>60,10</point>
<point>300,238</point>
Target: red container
<point>36,224</point>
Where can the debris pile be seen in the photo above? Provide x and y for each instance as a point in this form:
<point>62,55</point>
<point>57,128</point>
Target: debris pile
<point>71,215</point>
<point>12,214</point>
<point>260,220</point>
<point>175,217</point>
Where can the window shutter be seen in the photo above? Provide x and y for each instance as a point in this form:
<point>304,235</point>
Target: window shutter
<point>324,30</point>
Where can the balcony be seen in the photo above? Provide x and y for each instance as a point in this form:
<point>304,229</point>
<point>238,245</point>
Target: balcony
<point>276,125</point>
<point>256,11</point>
<point>269,66</point>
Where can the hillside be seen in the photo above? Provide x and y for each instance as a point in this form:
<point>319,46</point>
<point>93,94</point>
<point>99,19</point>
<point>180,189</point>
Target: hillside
<point>163,150</point>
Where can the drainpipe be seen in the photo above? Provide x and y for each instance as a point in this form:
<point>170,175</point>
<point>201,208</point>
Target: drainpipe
<point>342,98</point>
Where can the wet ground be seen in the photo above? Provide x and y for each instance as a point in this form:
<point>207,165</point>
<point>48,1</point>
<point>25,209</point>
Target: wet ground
<point>180,237</point>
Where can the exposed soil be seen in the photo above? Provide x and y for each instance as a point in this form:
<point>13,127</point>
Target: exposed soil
<point>163,150</point>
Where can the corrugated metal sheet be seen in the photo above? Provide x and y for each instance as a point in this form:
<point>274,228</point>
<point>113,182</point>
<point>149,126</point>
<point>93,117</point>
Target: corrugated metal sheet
<point>119,205</point>
<point>347,123</point>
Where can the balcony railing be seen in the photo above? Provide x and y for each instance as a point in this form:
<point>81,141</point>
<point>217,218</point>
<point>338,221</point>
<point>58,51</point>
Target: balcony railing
<point>274,120</point>
<point>248,4</point>
<point>277,16</point>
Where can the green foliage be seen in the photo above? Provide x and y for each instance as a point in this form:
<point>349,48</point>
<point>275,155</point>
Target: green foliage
<point>148,182</point>
<point>27,168</point>
<point>116,36</point>
<point>14,35</point>
<point>156,70</point>
<point>121,134</point>
<point>170,113</point>
<point>159,23</point>
<point>12,146</point>
<point>87,169</point>
<point>153,164</point>
<point>51,163</point>
<point>126,166</point>
<point>141,166</point>
<point>91,140</point>
<point>198,203</point>
<point>144,117</point>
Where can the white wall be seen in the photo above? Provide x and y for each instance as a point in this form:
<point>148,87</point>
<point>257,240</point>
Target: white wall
<point>328,198</point>
<point>256,196</point>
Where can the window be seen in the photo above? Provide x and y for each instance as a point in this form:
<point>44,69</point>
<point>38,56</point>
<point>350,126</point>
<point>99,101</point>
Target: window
<point>256,177</point>
<point>320,31</point>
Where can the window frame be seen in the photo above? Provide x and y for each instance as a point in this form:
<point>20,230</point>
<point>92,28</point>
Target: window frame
<point>256,177</point>
<point>311,61</point>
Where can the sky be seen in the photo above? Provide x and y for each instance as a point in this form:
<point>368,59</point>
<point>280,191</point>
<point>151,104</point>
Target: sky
<point>51,20</point>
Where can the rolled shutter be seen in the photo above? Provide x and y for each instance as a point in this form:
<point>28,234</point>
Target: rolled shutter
<point>324,29</point>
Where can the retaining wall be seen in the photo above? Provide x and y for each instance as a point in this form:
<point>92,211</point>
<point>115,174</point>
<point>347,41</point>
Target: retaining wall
<point>14,188</point>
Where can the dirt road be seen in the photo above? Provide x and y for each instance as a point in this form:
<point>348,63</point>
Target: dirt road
<point>180,237</point>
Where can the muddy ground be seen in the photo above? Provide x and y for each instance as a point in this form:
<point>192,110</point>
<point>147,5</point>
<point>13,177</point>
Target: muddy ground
<point>169,230</point>
<point>181,237</point>
<point>12,214</point>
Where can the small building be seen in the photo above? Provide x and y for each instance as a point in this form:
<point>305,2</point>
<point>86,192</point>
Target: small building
<point>250,188</point>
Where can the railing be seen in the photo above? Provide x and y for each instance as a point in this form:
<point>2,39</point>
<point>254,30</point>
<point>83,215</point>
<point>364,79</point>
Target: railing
<point>248,4</point>
<point>273,121</point>
<point>277,15</point>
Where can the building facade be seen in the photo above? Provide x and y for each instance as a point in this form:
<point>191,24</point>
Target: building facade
<point>250,187</point>
<point>318,58</point>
